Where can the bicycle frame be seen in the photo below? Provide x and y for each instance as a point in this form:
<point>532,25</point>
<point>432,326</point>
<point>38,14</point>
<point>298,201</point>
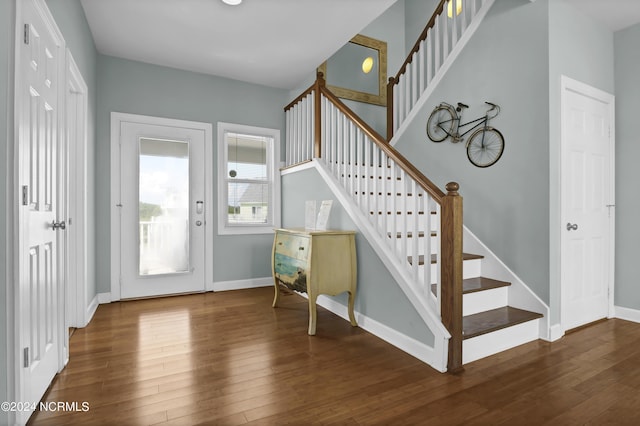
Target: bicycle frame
<point>456,136</point>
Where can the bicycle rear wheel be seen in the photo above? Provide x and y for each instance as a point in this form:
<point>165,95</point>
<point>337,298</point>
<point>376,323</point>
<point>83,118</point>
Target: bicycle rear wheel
<point>440,123</point>
<point>485,147</point>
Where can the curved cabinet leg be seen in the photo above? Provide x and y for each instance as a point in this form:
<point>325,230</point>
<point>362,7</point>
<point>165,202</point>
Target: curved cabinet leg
<point>352,299</point>
<point>276,297</point>
<point>313,315</point>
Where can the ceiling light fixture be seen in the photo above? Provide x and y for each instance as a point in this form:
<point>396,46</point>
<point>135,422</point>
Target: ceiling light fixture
<point>232,2</point>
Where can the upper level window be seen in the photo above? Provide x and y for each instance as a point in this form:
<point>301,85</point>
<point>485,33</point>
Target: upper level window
<point>248,191</point>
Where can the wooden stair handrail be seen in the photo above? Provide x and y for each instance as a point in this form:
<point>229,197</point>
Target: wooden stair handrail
<point>423,36</point>
<point>404,164</point>
<point>416,47</point>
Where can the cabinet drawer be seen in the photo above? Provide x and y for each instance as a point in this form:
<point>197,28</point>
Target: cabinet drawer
<point>294,246</point>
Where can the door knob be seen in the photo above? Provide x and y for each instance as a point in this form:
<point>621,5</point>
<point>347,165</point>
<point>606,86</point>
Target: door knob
<point>573,227</point>
<point>58,225</point>
<point>198,223</point>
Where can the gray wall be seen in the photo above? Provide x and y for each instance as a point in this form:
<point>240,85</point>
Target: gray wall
<point>580,48</point>
<point>139,88</point>
<point>378,296</point>
<point>71,21</point>
<point>627,70</point>
<point>7,13</point>
<point>505,205</point>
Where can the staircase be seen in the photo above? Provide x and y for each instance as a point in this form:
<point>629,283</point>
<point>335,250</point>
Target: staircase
<point>473,304</point>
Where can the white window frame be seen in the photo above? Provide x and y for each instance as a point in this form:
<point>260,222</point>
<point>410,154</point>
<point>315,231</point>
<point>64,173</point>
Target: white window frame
<point>273,156</point>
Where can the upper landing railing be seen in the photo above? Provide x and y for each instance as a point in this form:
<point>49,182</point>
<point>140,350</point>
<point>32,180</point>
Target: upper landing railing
<point>437,41</point>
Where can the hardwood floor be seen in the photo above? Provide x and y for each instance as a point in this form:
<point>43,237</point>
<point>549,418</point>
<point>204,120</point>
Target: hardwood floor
<point>229,358</point>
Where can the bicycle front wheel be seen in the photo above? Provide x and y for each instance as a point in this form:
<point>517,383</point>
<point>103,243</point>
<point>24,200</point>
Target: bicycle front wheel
<point>485,147</point>
<point>440,123</point>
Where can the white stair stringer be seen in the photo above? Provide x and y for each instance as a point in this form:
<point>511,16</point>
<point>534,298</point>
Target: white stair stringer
<point>442,71</point>
<point>419,297</point>
<point>519,294</point>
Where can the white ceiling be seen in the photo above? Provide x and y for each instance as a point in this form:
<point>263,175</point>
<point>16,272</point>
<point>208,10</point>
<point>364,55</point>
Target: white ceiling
<point>615,14</point>
<point>276,43</point>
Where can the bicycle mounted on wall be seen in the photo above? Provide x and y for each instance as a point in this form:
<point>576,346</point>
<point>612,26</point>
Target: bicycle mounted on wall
<point>484,146</point>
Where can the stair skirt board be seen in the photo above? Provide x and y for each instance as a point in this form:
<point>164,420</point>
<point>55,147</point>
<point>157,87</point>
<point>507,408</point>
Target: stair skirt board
<point>491,343</point>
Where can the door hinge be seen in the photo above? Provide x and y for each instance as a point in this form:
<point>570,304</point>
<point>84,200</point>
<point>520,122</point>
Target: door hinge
<point>25,355</point>
<point>25,195</point>
<point>26,33</point>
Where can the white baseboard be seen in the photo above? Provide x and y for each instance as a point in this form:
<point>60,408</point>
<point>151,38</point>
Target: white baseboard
<point>91,310</point>
<point>103,298</point>
<point>240,284</point>
<point>555,332</point>
<point>405,343</point>
<point>627,314</point>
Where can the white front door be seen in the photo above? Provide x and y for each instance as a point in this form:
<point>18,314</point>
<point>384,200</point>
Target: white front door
<point>39,313</point>
<point>162,209</point>
<point>587,204</point>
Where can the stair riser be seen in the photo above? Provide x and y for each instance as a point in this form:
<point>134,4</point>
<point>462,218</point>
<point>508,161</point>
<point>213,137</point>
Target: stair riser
<point>470,269</point>
<point>486,300</point>
<point>498,341</point>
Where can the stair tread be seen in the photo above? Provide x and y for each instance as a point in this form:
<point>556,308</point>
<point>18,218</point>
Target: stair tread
<point>465,256</point>
<point>472,285</point>
<point>495,319</point>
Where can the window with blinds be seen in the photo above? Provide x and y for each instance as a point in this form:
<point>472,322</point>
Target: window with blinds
<point>247,170</point>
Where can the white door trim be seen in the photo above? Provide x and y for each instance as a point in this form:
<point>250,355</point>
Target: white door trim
<point>570,85</point>
<point>77,245</point>
<point>117,118</point>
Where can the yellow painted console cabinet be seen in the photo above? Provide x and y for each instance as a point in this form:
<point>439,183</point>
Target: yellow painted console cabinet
<point>315,262</point>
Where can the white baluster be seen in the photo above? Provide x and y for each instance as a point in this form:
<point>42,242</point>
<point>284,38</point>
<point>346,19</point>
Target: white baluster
<point>446,37</point>
<point>360,168</point>
<point>407,92</point>
<point>352,158</point>
<point>421,72</point>
<point>402,220</point>
<point>430,55</point>
<point>393,190</point>
<point>287,142</point>
<point>366,171</point>
<point>464,22</point>
<point>437,46</point>
<point>454,23</point>
<point>415,67</point>
<point>396,107</point>
<point>303,129</point>
<point>414,219</point>
<point>310,127</point>
<point>401,94</point>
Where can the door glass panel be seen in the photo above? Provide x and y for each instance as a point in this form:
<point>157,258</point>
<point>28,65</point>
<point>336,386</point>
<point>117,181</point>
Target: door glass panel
<point>163,207</point>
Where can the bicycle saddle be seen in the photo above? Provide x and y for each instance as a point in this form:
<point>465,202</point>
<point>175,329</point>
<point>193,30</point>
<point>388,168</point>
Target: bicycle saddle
<point>461,105</point>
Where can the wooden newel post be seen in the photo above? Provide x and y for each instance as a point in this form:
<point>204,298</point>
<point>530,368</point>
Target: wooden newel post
<point>317,124</point>
<point>392,82</point>
<point>451,292</point>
